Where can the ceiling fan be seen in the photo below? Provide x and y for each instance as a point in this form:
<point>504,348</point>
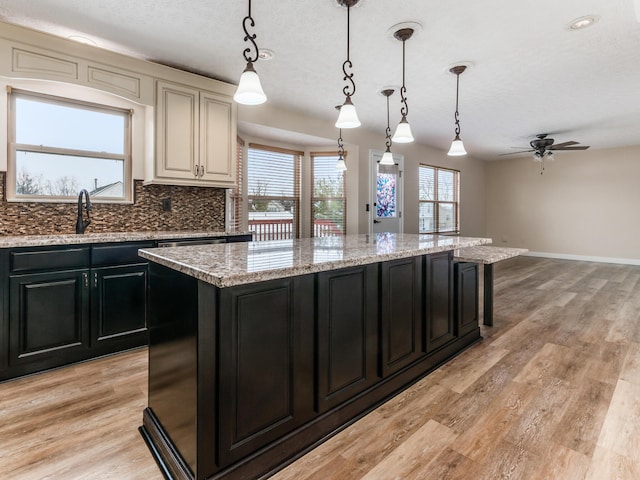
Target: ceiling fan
<point>544,147</point>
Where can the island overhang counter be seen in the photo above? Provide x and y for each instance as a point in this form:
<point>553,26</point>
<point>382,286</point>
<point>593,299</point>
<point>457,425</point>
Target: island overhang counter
<point>259,351</point>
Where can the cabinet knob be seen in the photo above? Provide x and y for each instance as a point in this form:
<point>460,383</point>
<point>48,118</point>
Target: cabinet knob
<point>201,171</point>
<point>85,277</point>
<point>95,280</point>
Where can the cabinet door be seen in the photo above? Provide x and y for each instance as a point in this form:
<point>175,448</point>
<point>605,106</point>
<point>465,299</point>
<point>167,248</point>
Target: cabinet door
<point>438,300</point>
<point>466,297</point>
<point>48,316</point>
<point>118,305</point>
<point>401,313</point>
<point>177,132</point>
<point>217,138</point>
<point>347,333</point>
<point>266,363</point>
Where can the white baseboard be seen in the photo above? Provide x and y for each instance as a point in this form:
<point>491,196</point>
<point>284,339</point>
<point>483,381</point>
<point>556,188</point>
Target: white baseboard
<point>585,258</point>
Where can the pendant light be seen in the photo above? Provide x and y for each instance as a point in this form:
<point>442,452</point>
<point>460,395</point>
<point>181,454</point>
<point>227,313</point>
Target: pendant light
<point>249,90</point>
<point>457,147</point>
<point>348,117</point>
<point>387,157</point>
<point>403,131</point>
<point>340,164</point>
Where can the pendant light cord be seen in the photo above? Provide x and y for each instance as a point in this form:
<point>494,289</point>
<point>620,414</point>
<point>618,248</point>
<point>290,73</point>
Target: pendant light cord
<point>456,115</point>
<point>246,24</point>
<point>404,110</point>
<point>347,63</point>
<point>388,130</point>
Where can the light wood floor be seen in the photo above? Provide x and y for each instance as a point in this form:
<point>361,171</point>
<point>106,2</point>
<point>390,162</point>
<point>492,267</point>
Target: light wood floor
<point>553,392</point>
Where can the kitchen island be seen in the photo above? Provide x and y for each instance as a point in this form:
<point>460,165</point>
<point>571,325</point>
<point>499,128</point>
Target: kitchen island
<point>259,351</point>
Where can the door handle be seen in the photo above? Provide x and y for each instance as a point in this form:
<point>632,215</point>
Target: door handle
<point>376,221</point>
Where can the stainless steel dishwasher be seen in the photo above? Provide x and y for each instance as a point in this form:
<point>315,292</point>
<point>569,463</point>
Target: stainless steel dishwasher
<point>185,243</point>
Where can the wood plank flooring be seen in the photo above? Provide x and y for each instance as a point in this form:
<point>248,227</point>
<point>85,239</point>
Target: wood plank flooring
<point>552,392</point>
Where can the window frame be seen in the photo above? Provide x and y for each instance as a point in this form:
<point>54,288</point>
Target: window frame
<point>14,147</point>
<point>313,198</point>
<point>436,202</point>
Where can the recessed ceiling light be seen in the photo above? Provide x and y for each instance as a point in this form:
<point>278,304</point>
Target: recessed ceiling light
<point>81,39</point>
<point>265,54</point>
<point>583,22</point>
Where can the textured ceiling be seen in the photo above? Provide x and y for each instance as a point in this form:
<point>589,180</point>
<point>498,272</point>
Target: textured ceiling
<point>530,73</point>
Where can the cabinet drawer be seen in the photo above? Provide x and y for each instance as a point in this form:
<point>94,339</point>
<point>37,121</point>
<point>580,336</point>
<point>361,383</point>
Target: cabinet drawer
<point>49,259</point>
<point>118,254</point>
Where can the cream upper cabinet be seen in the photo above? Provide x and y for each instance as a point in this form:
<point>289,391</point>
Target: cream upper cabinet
<point>195,137</point>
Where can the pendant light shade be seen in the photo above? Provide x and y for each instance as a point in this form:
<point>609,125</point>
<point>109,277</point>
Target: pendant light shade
<point>403,131</point>
<point>249,91</point>
<point>387,158</point>
<point>348,117</point>
<point>457,147</point>
<point>340,164</point>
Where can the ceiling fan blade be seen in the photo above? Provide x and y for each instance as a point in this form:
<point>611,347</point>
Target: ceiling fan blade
<point>581,147</point>
<point>562,145</point>
<point>515,153</point>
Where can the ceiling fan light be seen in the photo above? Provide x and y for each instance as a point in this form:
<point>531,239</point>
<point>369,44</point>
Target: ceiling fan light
<point>348,117</point>
<point>537,157</point>
<point>387,158</point>
<point>403,132</point>
<point>249,91</point>
<point>341,164</point>
<point>457,148</point>
<point>549,155</point>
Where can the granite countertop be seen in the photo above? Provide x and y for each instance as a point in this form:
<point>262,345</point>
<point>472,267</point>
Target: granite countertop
<point>487,254</point>
<point>230,264</point>
<point>73,239</point>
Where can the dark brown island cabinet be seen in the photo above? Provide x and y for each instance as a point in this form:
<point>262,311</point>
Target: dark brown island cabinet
<point>259,352</point>
<point>61,304</point>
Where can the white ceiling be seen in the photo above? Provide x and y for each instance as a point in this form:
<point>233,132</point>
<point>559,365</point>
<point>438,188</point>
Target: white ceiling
<point>531,74</point>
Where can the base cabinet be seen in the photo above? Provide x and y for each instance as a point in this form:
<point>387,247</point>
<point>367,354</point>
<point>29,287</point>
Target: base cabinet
<point>440,328</point>
<point>118,304</point>
<point>347,334</point>
<point>401,319</point>
<point>66,304</point>
<point>264,392</point>
<point>48,317</point>
<point>277,366</point>
<point>466,296</point>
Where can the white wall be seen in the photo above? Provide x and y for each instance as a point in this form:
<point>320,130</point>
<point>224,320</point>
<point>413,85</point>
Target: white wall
<point>585,205</point>
<point>472,189</point>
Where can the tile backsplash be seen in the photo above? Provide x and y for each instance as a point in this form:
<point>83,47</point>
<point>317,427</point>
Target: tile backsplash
<point>192,208</point>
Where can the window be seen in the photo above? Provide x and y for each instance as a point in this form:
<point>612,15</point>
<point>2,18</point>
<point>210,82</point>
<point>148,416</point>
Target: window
<point>235,201</point>
<point>59,146</point>
<point>273,192</point>
<point>439,193</point>
<point>328,201</point>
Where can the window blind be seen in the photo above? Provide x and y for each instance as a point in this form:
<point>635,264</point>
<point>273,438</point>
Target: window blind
<point>439,200</point>
<point>328,200</point>
<point>273,192</point>
<point>236,209</point>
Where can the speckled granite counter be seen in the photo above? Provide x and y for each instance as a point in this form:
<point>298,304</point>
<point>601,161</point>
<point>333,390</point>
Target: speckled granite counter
<point>236,264</point>
<point>45,240</point>
<point>487,254</point>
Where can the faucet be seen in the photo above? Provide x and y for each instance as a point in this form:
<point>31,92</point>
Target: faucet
<point>81,225</point>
